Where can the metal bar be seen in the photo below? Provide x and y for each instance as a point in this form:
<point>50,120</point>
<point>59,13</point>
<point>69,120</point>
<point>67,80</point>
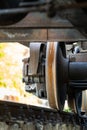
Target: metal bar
<point>40,3</point>
<point>36,9</point>
<point>15,34</point>
<point>78,70</point>
<point>40,20</point>
<point>22,35</point>
<point>25,10</point>
<point>71,35</point>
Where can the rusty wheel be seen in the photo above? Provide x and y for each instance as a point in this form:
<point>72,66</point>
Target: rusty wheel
<point>56,92</point>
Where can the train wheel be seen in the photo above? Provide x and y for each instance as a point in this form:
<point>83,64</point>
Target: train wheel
<point>56,91</point>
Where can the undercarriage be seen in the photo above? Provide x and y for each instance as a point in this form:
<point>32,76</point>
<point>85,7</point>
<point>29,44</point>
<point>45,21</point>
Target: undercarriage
<point>56,33</point>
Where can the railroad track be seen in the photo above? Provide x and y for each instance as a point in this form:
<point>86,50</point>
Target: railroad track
<point>26,117</point>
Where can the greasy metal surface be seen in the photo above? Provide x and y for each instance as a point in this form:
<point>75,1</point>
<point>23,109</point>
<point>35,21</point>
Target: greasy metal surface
<point>22,35</point>
<point>61,20</point>
<point>26,35</point>
<point>65,35</point>
<point>39,20</point>
<point>39,27</point>
<point>76,14</point>
<point>78,70</point>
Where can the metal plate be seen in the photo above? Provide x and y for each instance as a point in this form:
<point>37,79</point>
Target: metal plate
<point>41,20</point>
<point>28,35</point>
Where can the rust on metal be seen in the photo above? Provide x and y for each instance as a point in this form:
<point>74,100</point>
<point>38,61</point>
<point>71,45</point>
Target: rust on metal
<point>51,74</point>
<point>65,35</point>
<point>39,27</point>
<point>20,35</point>
<point>28,35</point>
<point>41,20</point>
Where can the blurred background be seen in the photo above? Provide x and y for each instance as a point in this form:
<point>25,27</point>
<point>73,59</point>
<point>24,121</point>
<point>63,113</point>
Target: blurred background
<point>11,86</point>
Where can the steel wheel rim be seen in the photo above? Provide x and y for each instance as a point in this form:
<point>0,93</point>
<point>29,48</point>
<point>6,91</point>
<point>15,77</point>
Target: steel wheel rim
<point>53,85</point>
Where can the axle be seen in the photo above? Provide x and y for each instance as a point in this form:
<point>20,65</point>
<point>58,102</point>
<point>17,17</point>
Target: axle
<point>78,70</point>
<point>55,76</point>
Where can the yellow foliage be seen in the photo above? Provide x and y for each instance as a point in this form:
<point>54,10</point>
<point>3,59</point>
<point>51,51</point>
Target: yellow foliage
<point>11,55</point>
